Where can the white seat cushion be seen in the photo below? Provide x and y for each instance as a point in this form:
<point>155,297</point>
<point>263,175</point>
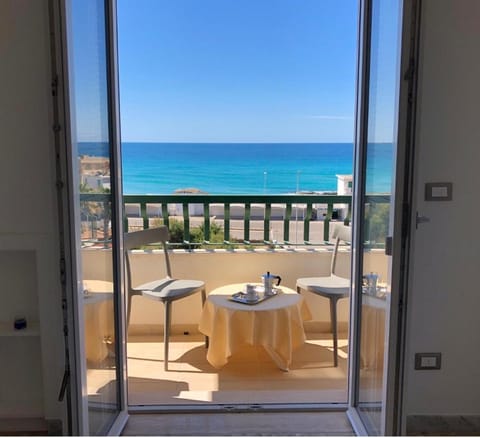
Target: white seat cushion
<point>169,289</point>
<point>332,285</point>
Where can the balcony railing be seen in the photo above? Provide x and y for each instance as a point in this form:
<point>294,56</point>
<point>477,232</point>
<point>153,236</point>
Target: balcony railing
<point>225,209</point>
<point>266,208</point>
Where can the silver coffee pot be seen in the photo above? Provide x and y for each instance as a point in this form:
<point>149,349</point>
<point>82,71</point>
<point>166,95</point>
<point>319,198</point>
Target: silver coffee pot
<point>268,282</point>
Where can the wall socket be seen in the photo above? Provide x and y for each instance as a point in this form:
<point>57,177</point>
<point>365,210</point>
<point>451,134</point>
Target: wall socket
<point>428,361</point>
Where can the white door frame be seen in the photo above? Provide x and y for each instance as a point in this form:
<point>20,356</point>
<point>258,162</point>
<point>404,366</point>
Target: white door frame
<point>400,220</point>
<point>67,168</point>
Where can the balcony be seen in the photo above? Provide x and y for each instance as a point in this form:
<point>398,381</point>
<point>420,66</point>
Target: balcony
<point>259,234</point>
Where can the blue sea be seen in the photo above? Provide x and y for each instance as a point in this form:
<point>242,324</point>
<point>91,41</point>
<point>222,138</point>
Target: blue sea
<point>241,168</point>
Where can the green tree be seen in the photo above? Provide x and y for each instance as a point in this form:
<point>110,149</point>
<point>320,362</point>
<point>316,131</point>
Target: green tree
<point>377,216</point>
<point>97,210</point>
<point>197,235</point>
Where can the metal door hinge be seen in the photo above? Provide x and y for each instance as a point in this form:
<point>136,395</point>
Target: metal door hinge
<point>389,246</point>
<point>54,86</point>
<point>64,385</point>
<point>63,271</point>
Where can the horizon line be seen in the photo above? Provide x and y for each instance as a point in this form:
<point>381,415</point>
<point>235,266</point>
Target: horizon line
<point>223,142</point>
<point>236,142</point>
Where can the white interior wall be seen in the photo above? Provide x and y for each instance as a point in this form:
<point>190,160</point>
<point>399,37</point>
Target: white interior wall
<point>27,189</point>
<point>444,298</point>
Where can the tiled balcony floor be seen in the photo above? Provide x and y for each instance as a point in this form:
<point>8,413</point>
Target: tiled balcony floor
<point>249,377</point>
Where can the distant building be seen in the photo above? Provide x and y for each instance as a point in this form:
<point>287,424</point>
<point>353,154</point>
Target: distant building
<point>91,165</point>
<point>96,182</point>
<point>94,172</point>
<point>344,184</point>
<point>344,187</point>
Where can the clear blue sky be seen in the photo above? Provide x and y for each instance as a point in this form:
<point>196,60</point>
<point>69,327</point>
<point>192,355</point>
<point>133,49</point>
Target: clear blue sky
<point>237,70</point>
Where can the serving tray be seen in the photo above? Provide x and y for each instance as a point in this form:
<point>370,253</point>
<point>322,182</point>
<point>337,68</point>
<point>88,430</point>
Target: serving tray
<point>241,297</point>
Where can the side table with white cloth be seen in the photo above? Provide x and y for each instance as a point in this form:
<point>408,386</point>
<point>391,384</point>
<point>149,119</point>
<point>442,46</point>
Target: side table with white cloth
<point>373,341</point>
<point>276,324</point>
<point>99,319</point>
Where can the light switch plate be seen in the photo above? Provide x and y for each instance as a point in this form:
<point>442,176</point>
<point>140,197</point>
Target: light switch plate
<point>441,191</point>
<point>428,361</point>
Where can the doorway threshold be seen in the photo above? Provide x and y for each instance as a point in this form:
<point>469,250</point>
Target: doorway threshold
<point>239,408</point>
<point>281,423</point>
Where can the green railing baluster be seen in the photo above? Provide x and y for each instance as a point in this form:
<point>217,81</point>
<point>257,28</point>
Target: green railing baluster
<point>326,222</point>
<point>186,223</point>
<point>143,213</point>
<point>306,224</point>
<point>246,224</point>
<point>206,221</point>
<point>286,222</point>
<point>165,217</point>
<point>226,223</point>
<point>346,221</point>
<point>266,222</point>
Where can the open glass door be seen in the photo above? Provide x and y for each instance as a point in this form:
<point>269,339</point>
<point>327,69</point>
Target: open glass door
<point>94,229</point>
<point>381,196</point>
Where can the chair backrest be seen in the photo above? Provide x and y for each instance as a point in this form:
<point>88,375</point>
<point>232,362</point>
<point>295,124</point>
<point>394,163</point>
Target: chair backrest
<point>136,239</point>
<point>341,233</point>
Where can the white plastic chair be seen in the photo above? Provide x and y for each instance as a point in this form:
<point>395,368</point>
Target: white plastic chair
<point>166,289</point>
<point>332,287</point>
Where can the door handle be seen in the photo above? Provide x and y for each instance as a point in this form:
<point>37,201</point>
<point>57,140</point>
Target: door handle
<point>421,220</point>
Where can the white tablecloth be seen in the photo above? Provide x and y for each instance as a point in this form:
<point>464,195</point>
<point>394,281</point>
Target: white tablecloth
<point>276,324</point>
<point>373,342</point>
<point>99,319</point>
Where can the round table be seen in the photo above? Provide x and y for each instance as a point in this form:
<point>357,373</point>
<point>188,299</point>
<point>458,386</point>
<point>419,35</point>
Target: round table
<point>98,319</point>
<point>276,324</point>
